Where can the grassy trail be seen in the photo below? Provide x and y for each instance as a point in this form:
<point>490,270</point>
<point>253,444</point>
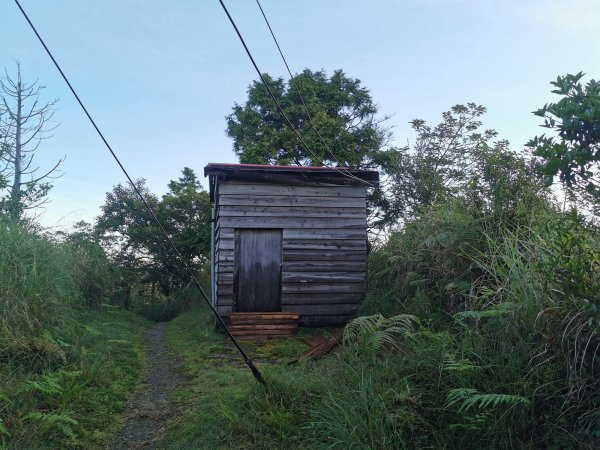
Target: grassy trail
<point>218,399</point>
<point>150,408</point>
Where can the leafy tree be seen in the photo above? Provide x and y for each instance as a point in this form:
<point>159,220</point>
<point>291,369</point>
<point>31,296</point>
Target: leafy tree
<point>343,113</point>
<point>185,212</point>
<point>25,122</point>
<point>574,154</point>
<point>456,158</point>
<point>137,243</point>
<point>124,228</point>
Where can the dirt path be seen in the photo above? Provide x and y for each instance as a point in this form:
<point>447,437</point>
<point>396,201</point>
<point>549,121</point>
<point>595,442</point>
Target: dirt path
<point>148,410</point>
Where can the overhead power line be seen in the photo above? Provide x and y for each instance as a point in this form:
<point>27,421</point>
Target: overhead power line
<point>277,104</point>
<point>182,261</point>
<point>309,115</point>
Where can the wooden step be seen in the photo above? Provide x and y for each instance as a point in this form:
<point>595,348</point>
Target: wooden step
<point>265,333</point>
<point>240,321</point>
<point>235,316</point>
<point>262,325</point>
<point>260,338</point>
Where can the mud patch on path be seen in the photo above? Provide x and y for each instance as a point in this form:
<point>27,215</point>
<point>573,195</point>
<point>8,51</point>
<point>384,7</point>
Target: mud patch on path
<point>149,409</point>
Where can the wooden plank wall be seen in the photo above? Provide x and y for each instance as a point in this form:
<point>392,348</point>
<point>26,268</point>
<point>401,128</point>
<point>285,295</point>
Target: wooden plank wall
<point>324,244</point>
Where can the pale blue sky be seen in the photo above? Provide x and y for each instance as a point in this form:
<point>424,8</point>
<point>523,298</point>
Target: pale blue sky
<point>159,77</point>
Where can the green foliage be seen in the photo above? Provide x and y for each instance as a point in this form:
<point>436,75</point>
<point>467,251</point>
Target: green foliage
<point>455,159</point>
<point>51,421</point>
<point>73,404</point>
<point>424,268</point>
<point>572,261</point>
<point>137,245</point>
<point>37,296</point>
<point>372,334</point>
<point>343,112</point>
<point>167,309</point>
<point>63,373</point>
<point>467,398</point>
<point>574,154</point>
<point>521,290</point>
<point>92,271</point>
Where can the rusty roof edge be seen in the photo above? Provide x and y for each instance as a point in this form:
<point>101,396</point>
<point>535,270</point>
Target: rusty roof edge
<point>315,173</point>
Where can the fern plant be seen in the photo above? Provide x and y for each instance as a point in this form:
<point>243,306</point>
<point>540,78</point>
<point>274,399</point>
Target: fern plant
<point>467,398</point>
<point>451,364</point>
<point>61,422</point>
<point>372,334</point>
<point>48,384</point>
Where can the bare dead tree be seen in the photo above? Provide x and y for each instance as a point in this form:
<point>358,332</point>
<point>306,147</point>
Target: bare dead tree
<point>24,123</point>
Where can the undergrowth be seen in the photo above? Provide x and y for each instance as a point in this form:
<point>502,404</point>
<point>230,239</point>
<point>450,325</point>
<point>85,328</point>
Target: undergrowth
<point>66,363</point>
<point>490,341</point>
<point>74,403</point>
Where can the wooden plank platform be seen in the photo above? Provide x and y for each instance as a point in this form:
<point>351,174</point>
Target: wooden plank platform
<point>263,325</point>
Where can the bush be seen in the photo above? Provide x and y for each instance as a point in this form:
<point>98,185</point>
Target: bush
<point>509,314</point>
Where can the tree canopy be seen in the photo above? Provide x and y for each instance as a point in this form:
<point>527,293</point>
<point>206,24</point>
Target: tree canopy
<point>337,119</point>
<point>455,158</point>
<point>137,244</point>
<point>336,116</point>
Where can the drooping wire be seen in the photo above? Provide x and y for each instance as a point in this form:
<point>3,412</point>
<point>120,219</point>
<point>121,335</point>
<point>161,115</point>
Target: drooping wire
<point>298,91</point>
<point>182,261</point>
<point>277,104</point>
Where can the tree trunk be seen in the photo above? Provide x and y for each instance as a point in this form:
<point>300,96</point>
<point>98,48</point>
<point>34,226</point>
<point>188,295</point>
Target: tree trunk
<point>15,195</point>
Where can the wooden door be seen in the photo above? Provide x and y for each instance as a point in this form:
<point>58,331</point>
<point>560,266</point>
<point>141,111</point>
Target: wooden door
<point>257,270</point>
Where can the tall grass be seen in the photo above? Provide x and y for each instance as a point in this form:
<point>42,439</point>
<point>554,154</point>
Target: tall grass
<point>37,294</point>
<point>65,364</point>
<point>515,302</point>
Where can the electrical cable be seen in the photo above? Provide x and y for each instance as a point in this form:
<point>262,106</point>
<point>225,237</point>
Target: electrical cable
<point>247,360</point>
<point>281,111</point>
<point>310,118</point>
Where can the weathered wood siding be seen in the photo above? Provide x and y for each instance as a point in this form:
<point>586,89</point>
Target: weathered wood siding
<point>324,244</point>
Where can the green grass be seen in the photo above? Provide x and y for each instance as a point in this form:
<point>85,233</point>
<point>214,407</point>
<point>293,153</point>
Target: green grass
<point>494,345</point>
<point>66,364</point>
<point>337,402</point>
<point>501,352</point>
<point>226,407</point>
<point>74,404</point>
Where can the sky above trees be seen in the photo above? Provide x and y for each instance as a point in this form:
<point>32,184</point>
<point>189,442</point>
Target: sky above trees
<point>160,77</point>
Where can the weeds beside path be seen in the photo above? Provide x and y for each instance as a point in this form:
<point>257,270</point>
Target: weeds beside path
<point>149,409</point>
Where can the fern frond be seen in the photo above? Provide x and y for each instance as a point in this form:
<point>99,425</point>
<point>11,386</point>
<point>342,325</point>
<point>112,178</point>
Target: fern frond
<point>492,312</point>
<point>375,332</point>
<point>62,422</point>
<point>451,364</point>
<point>48,384</point>
<point>467,398</point>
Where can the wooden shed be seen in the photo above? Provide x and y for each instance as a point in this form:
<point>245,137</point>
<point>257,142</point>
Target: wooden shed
<point>290,239</point>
